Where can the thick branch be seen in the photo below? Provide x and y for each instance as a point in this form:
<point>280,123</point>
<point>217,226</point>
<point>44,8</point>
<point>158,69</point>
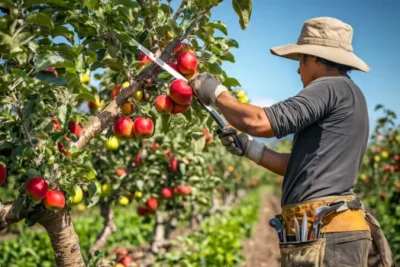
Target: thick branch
<point>64,240</point>
<point>179,10</point>
<point>9,213</point>
<point>108,229</point>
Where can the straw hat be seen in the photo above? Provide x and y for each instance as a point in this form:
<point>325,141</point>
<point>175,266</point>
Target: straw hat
<point>327,38</point>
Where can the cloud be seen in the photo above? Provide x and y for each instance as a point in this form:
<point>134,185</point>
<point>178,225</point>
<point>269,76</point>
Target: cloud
<point>263,102</point>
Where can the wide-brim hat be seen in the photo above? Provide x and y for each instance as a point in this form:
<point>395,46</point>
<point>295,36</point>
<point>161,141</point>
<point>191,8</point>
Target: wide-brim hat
<point>327,38</point>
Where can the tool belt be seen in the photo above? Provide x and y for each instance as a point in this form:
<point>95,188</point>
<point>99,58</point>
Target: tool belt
<point>303,244</point>
<point>351,219</point>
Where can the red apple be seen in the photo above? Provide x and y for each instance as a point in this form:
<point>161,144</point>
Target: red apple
<point>3,173</point>
<point>180,109</point>
<point>166,192</point>
<point>54,200</point>
<point>115,91</point>
<point>138,159</point>
<point>208,136</point>
<point>192,75</point>
<point>155,145</point>
<point>178,50</point>
<point>173,165</point>
<point>121,171</point>
<point>62,150</point>
<point>184,190</point>
<point>396,158</point>
<point>187,62</point>
<point>75,128</point>
<point>152,203</point>
<point>168,154</point>
<point>53,70</point>
<point>181,92</point>
<point>383,196</point>
<point>174,66</point>
<point>164,104</point>
<point>123,127</point>
<point>143,128</point>
<point>142,211</point>
<point>56,124</point>
<point>126,260</point>
<point>144,59</point>
<point>397,185</point>
<point>92,105</point>
<point>121,251</point>
<point>37,188</point>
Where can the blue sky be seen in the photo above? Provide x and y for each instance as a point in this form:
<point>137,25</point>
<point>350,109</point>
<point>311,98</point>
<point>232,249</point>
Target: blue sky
<point>268,78</point>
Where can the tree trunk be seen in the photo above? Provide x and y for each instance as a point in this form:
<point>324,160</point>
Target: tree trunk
<point>159,233</point>
<point>64,240</point>
<point>108,229</point>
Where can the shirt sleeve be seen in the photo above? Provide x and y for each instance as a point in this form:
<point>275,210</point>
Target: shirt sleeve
<point>296,113</point>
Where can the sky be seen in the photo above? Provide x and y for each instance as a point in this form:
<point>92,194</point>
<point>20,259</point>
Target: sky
<point>268,79</point>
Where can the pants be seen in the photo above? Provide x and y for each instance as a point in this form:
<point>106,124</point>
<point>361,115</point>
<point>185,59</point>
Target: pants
<point>347,249</point>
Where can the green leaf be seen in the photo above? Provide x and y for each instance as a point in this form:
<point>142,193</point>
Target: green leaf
<point>32,219</point>
<point>231,82</point>
<point>30,3</point>
<point>94,194</point>
<point>32,173</point>
<point>53,60</point>
<point>92,4</point>
<point>63,31</point>
<point>64,112</point>
<point>230,42</point>
<point>218,25</point>
<point>49,77</point>
<point>165,123</point>
<point>40,18</point>
<point>127,3</point>
<point>86,96</point>
<point>243,9</point>
<point>199,144</point>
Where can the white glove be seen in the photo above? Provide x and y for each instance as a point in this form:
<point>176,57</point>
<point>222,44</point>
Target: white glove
<point>207,88</point>
<point>249,147</point>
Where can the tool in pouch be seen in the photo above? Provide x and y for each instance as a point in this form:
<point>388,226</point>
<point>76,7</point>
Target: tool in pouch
<point>217,117</point>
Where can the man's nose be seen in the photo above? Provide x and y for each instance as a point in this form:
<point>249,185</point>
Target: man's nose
<point>298,70</point>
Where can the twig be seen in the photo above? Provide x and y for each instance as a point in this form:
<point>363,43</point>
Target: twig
<point>109,228</point>
<point>179,10</point>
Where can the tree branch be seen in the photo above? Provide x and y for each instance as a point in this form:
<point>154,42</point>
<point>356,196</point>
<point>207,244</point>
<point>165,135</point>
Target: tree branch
<point>11,212</point>
<point>111,112</point>
<point>109,228</point>
<point>179,10</point>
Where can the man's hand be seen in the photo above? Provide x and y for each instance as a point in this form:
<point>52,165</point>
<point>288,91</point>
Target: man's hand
<point>207,88</point>
<point>249,147</point>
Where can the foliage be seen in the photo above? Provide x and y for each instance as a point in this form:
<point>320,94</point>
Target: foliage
<point>220,240</point>
<point>379,181</point>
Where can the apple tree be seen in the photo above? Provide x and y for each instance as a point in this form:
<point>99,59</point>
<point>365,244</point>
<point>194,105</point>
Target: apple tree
<point>48,50</point>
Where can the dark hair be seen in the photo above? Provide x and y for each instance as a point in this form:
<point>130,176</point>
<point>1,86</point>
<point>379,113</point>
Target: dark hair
<point>343,69</point>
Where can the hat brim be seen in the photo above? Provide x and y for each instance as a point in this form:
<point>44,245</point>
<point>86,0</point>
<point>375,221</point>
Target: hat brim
<point>333,54</point>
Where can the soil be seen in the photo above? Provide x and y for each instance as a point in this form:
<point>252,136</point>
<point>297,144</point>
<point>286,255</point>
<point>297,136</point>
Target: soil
<point>263,247</point>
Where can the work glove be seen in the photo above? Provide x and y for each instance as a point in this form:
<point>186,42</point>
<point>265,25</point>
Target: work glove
<point>207,88</point>
<point>249,147</point>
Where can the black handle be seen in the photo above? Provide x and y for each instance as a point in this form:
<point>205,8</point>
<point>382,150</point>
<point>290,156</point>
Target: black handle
<point>221,123</point>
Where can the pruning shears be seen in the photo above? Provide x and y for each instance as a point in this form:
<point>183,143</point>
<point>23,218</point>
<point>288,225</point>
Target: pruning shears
<point>214,114</point>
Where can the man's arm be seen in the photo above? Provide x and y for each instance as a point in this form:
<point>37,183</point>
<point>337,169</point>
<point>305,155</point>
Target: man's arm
<point>274,161</point>
<point>245,117</point>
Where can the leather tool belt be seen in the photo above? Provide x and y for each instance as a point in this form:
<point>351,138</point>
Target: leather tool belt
<point>348,220</point>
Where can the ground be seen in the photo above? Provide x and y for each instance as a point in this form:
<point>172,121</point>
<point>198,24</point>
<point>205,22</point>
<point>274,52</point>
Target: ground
<point>263,247</point>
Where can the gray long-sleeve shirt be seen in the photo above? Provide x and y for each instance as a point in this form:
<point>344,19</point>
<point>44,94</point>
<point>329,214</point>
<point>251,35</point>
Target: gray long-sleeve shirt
<point>330,121</point>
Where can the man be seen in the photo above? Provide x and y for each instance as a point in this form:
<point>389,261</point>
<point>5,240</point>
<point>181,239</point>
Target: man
<point>329,118</point>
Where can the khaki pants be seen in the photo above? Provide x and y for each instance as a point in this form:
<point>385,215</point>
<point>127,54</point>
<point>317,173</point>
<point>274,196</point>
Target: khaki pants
<point>347,249</point>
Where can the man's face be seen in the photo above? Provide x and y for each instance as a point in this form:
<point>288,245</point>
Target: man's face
<point>308,69</point>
